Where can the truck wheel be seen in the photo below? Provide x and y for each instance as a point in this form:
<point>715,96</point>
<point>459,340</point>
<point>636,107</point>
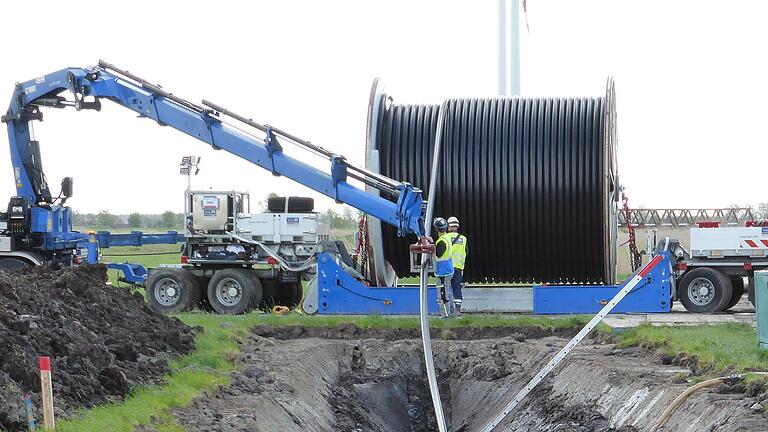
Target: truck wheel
<point>171,290</point>
<point>705,290</point>
<point>291,294</point>
<point>738,291</point>
<point>233,291</point>
<point>270,297</point>
<point>13,264</point>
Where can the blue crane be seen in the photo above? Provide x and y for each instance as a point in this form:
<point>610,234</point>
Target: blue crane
<point>39,225</point>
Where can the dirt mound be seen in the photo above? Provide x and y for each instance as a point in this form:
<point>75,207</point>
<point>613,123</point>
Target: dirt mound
<point>102,340</point>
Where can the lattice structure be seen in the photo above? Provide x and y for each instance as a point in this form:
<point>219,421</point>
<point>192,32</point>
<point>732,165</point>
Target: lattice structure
<point>688,217</point>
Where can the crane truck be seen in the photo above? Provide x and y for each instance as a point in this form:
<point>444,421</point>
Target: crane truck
<point>227,244</point>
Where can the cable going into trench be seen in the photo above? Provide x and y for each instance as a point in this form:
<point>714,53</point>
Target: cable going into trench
<point>424,280</point>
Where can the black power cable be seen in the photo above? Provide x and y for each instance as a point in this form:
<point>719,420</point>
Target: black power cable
<point>531,181</point>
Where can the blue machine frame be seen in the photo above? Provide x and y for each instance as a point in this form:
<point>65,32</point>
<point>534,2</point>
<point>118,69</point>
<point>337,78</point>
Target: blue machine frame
<point>342,294</point>
<point>654,295</point>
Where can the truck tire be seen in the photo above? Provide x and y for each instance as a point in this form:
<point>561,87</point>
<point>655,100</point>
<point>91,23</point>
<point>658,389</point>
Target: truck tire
<point>270,297</point>
<point>295,205</point>
<point>172,290</point>
<point>738,291</point>
<point>233,291</point>
<point>13,264</point>
<point>705,290</point>
<point>291,294</point>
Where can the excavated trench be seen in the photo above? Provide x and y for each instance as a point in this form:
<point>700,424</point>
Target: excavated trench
<point>349,379</point>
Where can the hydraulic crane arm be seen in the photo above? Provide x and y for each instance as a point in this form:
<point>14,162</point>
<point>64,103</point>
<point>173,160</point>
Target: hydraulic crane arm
<point>205,122</point>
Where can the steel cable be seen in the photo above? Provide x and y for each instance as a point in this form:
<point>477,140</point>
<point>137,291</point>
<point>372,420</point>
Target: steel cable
<point>530,179</point>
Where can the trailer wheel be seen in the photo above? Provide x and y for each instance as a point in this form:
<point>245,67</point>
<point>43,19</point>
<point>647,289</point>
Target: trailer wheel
<point>291,294</point>
<point>269,299</point>
<point>13,264</point>
<point>738,291</point>
<point>172,290</point>
<point>233,291</point>
<point>705,290</point>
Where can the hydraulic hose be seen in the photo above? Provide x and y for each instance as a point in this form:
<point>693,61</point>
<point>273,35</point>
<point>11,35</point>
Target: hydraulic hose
<point>424,281</point>
<point>532,181</point>
<point>283,263</point>
<point>692,389</point>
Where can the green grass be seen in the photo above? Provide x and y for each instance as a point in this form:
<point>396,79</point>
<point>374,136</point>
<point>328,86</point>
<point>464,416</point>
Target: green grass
<point>203,370</point>
<point>719,348</point>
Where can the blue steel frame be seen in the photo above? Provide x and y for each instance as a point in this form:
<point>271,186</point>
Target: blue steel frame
<point>341,294</point>
<point>653,295</point>
<point>406,215</point>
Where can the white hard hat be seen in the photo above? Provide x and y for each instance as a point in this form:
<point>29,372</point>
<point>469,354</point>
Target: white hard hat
<point>453,221</point>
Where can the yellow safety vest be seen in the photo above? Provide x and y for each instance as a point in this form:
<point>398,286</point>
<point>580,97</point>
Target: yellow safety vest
<point>458,249</point>
<point>444,262</point>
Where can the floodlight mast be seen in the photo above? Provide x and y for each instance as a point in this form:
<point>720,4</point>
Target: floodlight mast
<point>185,168</point>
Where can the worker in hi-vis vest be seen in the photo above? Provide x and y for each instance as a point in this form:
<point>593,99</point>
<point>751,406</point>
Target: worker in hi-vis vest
<point>459,254</point>
<point>444,268</point>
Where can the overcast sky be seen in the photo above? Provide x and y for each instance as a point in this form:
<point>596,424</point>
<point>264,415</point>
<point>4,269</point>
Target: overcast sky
<point>691,84</point>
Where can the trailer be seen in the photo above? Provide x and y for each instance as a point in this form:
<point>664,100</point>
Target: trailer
<point>234,261</point>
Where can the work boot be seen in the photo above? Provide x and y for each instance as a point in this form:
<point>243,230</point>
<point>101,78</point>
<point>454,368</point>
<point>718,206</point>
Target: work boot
<point>458,310</point>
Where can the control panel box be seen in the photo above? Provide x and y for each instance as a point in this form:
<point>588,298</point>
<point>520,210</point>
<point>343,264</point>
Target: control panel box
<point>210,211</point>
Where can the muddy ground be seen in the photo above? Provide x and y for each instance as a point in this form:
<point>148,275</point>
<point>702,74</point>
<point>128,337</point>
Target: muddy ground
<point>348,379</point>
<point>102,340</point>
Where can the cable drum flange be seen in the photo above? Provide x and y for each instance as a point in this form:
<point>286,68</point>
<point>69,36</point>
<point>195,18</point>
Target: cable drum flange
<point>532,180</point>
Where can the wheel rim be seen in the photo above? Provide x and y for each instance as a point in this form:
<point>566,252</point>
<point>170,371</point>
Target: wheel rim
<point>167,292</point>
<point>701,291</point>
<point>229,292</point>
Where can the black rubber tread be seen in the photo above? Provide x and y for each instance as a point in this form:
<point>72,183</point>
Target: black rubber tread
<point>251,291</point>
<point>188,288</point>
<point>13,263</point>
<point>737,284</point>
<point>295,204</point>
<point>720,283</point>
<point>526,177</point>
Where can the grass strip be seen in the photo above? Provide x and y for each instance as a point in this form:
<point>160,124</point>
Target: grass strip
<point>718,348</point>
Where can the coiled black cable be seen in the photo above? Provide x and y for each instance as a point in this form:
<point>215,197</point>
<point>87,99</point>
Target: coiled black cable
<point>530,180</point>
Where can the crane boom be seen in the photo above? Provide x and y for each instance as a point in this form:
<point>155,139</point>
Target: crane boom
<point>256,143</point>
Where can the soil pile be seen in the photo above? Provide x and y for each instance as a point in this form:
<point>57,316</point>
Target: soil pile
<point>102,340</point>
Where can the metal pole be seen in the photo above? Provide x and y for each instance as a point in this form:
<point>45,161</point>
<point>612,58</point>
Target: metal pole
<point>509,48</point>
<point>539,377</point>
<point>424,279</point>
<point>502,47</point>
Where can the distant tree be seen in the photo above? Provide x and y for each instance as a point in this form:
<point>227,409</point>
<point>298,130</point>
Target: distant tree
<point>168,219</point>
<point>105,219</point>
<point>134,220</point>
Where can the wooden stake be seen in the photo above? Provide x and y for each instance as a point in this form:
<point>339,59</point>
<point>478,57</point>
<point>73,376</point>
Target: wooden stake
<point>46,385</point>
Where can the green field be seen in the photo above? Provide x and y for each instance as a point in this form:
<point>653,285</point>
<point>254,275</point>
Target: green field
<point>148,256</point>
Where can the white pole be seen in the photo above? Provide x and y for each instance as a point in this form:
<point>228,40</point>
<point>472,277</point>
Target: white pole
<point>509,48</point>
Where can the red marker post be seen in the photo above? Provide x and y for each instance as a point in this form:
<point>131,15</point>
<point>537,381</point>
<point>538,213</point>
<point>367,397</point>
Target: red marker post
<point>46,386</point>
